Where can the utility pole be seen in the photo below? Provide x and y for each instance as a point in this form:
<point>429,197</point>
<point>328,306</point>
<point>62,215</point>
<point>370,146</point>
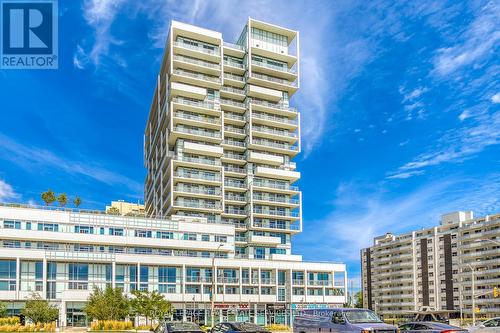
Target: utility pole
<point>213,293</point>
<point>473,277</point>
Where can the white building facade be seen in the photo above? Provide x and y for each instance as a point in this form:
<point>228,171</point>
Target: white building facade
<point>221,134</point>
<point>434,268</point>
<point>62,255</point>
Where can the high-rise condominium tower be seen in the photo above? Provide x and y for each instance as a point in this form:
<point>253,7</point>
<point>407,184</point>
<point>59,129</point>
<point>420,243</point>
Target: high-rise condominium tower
<point>221,134</point>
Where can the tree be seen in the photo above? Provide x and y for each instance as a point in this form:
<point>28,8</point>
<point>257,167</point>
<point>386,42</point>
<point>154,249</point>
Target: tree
<point>39,310</point>
<point>3,310</point>
<point>110,304</point>
<point>62,199</point>
<point>77,201</point>
<point>151,305</point>
<point>49,197</point>
<point>113,211</point>
<point>359,299</point>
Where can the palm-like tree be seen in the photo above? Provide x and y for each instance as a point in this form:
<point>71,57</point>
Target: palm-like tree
<point>48,197</point>
<point>62,199</point>
<point>77,201</point>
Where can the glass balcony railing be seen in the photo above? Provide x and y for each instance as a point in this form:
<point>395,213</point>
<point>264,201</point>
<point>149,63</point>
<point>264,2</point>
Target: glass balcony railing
<point>278,186</point>
<point>233,103</point>
<point>233,90</point>
<point>200,160</point>
<point>231,183</point>
<point>228,168</point>
<point>199,48</point>
<point>234,156</point>
<point>275,118</point>
<point>197,62</point>
<point>280,106</point>
<point>234,77</point>
<point>274,131</point>
<point>281,225</point>
<point>275,199</point>
<point>234,143</point>
<point>192,175</point>
<point>184,115</point>
<point>197,76</point>
<point>274,67</point>
<point>275,212</point>
<point>201,104</point>
<point>234,129</point>
<point>233,64</point>
<point>274,79</point>
<point>272,144</point>
<point>232,210</point>
<point>235,197</point>
<point>197,204</point>
<point>198,190</point>
<point>234,116</point>
<point>201,132</point>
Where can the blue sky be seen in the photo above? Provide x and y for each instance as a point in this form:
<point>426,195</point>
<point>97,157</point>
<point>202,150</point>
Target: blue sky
<point>399,101</point>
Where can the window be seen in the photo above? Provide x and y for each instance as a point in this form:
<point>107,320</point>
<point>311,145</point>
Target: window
<point>12,225</point>
<point>143,233</point>
<point>48,227</point>
<point>164,235</point>
<point>83,229</point>
<point>220,239</point>
<point>78,276</point>
<point>205,238</point>
<point>28,225</point>
<point>189,236</point>
<point>7,275</point>
<point>259,253</point>
<point>116,231</point>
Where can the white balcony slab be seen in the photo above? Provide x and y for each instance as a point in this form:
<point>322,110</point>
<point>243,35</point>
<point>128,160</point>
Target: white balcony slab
<point>198,148</point>
<point>265,240</point>
<point>286,257</point>
<point>267,93</point>
<point>277,173</point>
<point>265,158</point>
<point>188,90</point>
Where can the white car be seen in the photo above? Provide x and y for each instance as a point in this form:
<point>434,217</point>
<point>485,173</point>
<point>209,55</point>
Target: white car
<point>489,326</point>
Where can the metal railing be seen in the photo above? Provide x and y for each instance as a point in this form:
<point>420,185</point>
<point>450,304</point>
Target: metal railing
<point>233,103</point>
<point>201,104</point>
<point>234,77</point>
<point>197,204</point>
<point>198,190</point>
<point>269,130</point>
<point>233,90</point>
<point>280,106</point>
<point>234,64</point>
<point>234,143</point>
<point>234,129</point>
<point>202,49</point>
<point>184,115</point>
<point>197,75</point>
<point>272,144</point>
<point>277,68</point>
<point>196,61</point>
<point>202,132</point>
<point>197,176</point>
<point>275,118</point>
<point>274,79</point>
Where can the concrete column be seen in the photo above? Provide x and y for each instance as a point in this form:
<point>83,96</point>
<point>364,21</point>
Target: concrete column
<point>183,311</point>
<point>44,278</point>
<point>62,314</point>
<point>113,274</point>
<point>255,308</point>
<point>18,277</point>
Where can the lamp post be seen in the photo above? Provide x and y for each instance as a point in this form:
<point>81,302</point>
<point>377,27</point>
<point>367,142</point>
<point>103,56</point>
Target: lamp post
<point>473,276</point>
<point>214,276</point>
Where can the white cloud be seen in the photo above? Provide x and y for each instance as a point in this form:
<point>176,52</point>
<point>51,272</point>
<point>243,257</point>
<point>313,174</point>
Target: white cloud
<point>478,42</point>
<point>7,192</point>
<point>32,158</point>
<point>495,98</point>
<point>360,213</point>
<point>100,15</point>
<point>464,115</point>
<point>455,146</point>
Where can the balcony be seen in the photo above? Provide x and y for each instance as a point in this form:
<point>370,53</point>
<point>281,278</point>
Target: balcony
<point>235,80</point>
<point>213,164</point>
<point>273,82</point>
<point>277,173</point>
<point>194,134</point>
<point>236,132</point>
<point>276,213</point>
<point>198,205</point>
<point>265,158</point>
<point>267,68</point>
<point>197,65</point>
<point>235,211</point>
<point>276,147</point>
<point>197,120</point>
<point>231,92</point>
<point>234,67</point>
<point>187,90</point>
<point>199,191</point>
<point>234,50</point>
<point>206,178</point>
<point>233,118</point>
<point>275,133</point>
<point>202,149</point>
<point>277,108</point>
<point>235,184</point>
<point>227,104</point>
<point>266,93</point>
<point>233,156</point>
<point>196,106</point>
<point>264,240</point>
<point>266,119</point>
<point>198,51</point>
<point>232,169</point>
<point>189,77</point>
<point>279,225</point>
<point>234,144</point>
<point>282,201</point>
<point>276,186</point>
<point>238,198</point>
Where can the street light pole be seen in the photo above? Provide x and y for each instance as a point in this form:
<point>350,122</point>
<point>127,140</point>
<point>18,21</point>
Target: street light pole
<point>214,275</point>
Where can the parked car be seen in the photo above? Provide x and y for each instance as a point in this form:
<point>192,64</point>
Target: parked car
<point>489,326</point>
<point>233,327</point>
<point>340,320</point>
<point>178,327</point>
<point>429,327</point>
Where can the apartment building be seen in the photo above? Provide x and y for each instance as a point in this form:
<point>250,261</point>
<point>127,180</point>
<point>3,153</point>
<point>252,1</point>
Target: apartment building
<point>432,268</point>
<point>127,208</point>
<point>221,134</point>
<point>62,255</point>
